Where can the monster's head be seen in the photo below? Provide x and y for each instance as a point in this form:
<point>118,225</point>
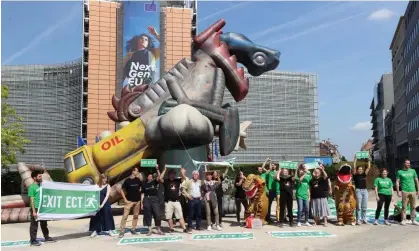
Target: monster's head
<point>228,49</point>
<point>344,174</point>
<point>252,184</point>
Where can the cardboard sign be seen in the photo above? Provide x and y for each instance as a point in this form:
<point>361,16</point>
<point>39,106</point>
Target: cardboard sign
<point>362,155</point>
<point>288,164</point>
<point>149,163</point>
<point>173,166</point>
<point>224,236</point>
<point>296,234</point>
<point>145,240</point>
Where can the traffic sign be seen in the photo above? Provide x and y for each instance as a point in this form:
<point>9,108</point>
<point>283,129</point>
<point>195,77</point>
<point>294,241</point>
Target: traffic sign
<point>236,236</point>
<point>148,163</point>
<point>145,240</point>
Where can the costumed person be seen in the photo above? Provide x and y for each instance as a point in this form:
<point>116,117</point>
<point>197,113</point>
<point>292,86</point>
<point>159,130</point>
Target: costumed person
<point>319,187</point>
<point>383,187</point>
<point>210,200</point>
<point>103,220</point>
<point>34,191</point>
<point>132,199</point>
<point>150,202</point>
<point>171,198</point>
<point>219,191</point>
<point>303,178</point>
<point>361,192</point>
<point>193,192</point>
<point>270,188</point>
<point>240,196</point>
<point>345,196</point>
<point>286,182</point>
<point>406,178</point>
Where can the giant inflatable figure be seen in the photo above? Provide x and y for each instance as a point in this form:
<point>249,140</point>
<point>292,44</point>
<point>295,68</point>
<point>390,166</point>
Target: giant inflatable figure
<point>254,186</point>
<point>345,196</point>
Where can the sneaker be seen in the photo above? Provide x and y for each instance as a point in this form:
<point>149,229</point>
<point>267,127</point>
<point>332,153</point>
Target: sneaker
<point>50,240</point>
<point>189,231</point>
<point>185,231</point>
<point>121,235</point>
<point>376,222</point>
<point>111,234</point>
<point>35,243</point>
<point>94,234</point>
<point>365,222</point>
<point>291,224</point>
<point>358,222</point>
<point>298,224</point>
<point>308,224</point>
<point>171,231</point>
<point>403,223</point>
<point>386,222</point>
<point>133,232</point>
<point>219,228</point>
<point>415,223</point>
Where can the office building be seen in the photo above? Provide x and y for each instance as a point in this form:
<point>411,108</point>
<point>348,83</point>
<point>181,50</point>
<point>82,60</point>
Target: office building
<point>48,98</point>
<point>411,56</point>
<point>283,108</point>
<point>381,105</point>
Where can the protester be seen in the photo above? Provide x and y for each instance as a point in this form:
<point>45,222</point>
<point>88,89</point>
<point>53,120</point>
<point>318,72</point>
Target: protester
<point>219,178</point>
<point>240,195</point>
<point>171,198</point>
<point>192,191</point>
<point>319,191</point>
<point>103,220</point>
<point>285,183</point>
<point>210,200</point>
<point>150,202</point>
<point>407,178</point>
<point>132,199</point>
<point>34,198</point>
<point>270,188</point>
<point>182,198</point>
<point>361,193</point>
<point>303,178</point>
<point>397,214</point>
<point>383,187</point>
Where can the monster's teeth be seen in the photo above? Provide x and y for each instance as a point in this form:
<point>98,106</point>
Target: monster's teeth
<point>115,102</point>
<point>240,72</point>
<point>216,38</point>
<point>233,61</point>
<point>125,90</point>
<point>223,50</point>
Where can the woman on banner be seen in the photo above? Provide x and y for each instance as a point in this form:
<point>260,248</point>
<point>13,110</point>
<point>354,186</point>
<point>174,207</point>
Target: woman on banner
<point>150,201</point>
<point>240,195</point>
<point>210,199</point>
<point>140,61</point>
<point>319,191</point>
<point>383,187</point>
<point>103,220</point>
<point>285,185</point>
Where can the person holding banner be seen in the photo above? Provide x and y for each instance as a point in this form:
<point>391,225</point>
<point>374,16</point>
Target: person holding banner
<point>285,183</point>
<point>219,178</point>
<point>361,193</point>
<point>192,190</point>
<point>210,200</point>
<point>270,188</point>
<point>319,187</point>
<point>150,202</point>
<point>303,178</point>
<point>240,195</point>
<point>171,198</point>
<point>103,220</point>
<point>34,191</point>
<point>132,199</point>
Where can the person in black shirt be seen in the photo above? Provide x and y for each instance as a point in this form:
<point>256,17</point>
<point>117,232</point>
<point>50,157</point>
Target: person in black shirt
<point>240,195</point>
<point>220,193</point>
<point>132,198</point>
<point>286,182</point>
<point>361,193</point>
<point>150,202</point>
<point>172,199</point>
<point>319,190</point>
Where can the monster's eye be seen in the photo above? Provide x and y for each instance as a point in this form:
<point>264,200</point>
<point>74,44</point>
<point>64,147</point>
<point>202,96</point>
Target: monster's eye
<point>259,58</point>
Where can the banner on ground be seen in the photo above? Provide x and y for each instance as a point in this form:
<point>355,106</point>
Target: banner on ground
<point>141,53</point>
<point>65,201</point>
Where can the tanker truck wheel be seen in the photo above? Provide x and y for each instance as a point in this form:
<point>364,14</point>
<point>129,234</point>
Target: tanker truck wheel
<point>87,181</point>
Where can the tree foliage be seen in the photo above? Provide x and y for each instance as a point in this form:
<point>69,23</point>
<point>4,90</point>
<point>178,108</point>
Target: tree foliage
<point>343,159</point>
<point>12,132</point>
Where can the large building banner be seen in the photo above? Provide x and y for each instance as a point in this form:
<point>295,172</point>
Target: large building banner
<point>65,201</point>
<point>141,56</point>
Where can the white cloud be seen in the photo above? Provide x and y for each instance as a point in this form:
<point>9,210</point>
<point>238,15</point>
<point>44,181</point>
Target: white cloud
<point>223,11</point>
<point>362,126</point>
<point>381,14</point>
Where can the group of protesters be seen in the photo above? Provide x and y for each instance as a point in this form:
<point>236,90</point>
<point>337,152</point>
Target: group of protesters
<point>184,198</point>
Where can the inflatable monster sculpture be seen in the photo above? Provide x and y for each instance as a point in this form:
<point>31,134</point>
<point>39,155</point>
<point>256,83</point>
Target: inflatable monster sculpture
<point>254,186</point>
<point>345,196</point>
<point>184,110</point>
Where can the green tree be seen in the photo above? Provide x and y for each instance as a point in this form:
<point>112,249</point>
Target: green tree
<point>12,132</point>
<point>343,159</point>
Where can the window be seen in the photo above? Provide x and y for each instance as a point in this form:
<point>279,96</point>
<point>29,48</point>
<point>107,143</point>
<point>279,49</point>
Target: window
<point>79,160</point>
<point>68,165</point>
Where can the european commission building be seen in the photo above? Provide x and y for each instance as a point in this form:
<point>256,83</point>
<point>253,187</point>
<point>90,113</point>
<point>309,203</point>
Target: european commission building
<point>48,98</point>
<point>283,107</point>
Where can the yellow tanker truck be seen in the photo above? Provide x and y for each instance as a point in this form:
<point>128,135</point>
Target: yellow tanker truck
<point>114,155</point>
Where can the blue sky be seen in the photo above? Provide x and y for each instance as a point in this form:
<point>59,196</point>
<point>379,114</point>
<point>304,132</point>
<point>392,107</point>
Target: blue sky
<point>345,43</point>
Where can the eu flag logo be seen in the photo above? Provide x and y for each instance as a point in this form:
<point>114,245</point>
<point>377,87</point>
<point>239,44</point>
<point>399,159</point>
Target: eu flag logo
<point>150,7</point>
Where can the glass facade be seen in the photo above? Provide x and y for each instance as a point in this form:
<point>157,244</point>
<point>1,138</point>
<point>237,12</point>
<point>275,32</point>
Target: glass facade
<point>48,98</point>
<point>283,107</point>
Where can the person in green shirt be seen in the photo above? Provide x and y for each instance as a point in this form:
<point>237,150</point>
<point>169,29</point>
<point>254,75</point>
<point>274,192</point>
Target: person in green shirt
<point>383,187</point>
<point>34,198</point>
<point>271,191</point>
<point>303,178</point>
<point>408,177</point>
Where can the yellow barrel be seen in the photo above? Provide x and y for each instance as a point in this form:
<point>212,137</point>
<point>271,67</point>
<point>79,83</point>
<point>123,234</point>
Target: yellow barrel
<point>119,146</point>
